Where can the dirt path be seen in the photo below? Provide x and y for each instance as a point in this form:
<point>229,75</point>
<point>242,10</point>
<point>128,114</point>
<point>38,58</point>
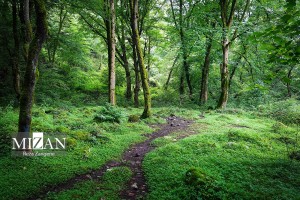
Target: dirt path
<point>137,188</point>
<point>132,158</point>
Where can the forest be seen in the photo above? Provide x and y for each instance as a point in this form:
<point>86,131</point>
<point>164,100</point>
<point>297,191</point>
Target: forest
<point>149,99</point>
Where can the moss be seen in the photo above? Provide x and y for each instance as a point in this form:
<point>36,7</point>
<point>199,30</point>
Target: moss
<point>196,177</point>
<point>133,118</point>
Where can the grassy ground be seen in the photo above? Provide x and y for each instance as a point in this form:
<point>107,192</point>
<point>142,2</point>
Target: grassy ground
<point>91,144</point>
<point>236,155</point>
<point>107,188</point>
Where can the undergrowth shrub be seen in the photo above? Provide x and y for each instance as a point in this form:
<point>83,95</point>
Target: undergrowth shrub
<point>287,111</point>
<point>92,138</point>
<point>110,113</point>
<point>133,118</point>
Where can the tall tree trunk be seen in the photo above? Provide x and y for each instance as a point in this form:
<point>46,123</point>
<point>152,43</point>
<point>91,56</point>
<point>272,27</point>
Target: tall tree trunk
<point>26,27</point>
<point>170,73</point>
<point>149,57</point>
<point>205,73</point>
<point>186,66</point>
<point>128,93</point>
<point>136,74</point>
<point>181,83</point>
<point>62,17</point>
<point>34,49</point>
<point>232,73</point>
<point>15,59</point>
<point>227,21</point>
<point>111,43</point>
<point>143,71</point>
<point>224,74</point>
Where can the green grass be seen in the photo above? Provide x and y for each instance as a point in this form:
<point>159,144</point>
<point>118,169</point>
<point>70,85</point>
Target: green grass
<point>109,187</point>
<point>241,154</point>
<point>22,177</point>
<point>244,156</point>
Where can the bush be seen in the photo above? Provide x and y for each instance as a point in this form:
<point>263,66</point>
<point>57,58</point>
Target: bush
<point>110,113</point>
<point>287,111</point>
<point>133,118</point>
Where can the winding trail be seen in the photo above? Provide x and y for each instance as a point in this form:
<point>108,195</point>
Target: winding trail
<point>136,188</point>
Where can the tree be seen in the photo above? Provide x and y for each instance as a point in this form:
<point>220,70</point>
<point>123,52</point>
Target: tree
<point>228,11</point>
<point>284,48</point>
<point>205,73</point>
<point>53,41</point>
<point>110,22</point>
<point>35,41</point>
<point>179,24</point>
<point>15,56</point>
<point>121,29</point>
<point>143,72</point>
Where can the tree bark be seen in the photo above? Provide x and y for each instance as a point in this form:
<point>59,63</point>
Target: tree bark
<point>224,75</point>
<point>149,57</point>
<point>137,76</point>
<point>111,43</point>
<point>15,57</point>
<point>186,66</point>
<point>205,73</point>
<point>232,73</point>
<point>226,24</point>
<point>128,93</point>
<point>143,71</point>
<point>27,28</point>
<point>181,83</point>
<point>171,71</point>
<point>34,49</point>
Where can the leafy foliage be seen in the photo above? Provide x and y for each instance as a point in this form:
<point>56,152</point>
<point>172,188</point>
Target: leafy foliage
<point>110,113</point>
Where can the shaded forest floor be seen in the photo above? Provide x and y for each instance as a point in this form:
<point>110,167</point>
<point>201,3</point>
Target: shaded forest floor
<point>222,155</point>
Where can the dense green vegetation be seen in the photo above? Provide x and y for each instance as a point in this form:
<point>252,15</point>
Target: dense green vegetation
<point>107,73</point>
<point>234,156</point>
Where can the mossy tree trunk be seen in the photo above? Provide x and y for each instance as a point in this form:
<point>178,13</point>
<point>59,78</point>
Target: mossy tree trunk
<point>136,75</point>
<point>224,75</point>
<point>227,20</point>
<point>122,40</point>
<point>186,67</point>
<point>34,48</point>
<point>205,73</point>
<point>15,57</point>
<point>142,68</point>
<point>228,11</point>
<point>149,58</point>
